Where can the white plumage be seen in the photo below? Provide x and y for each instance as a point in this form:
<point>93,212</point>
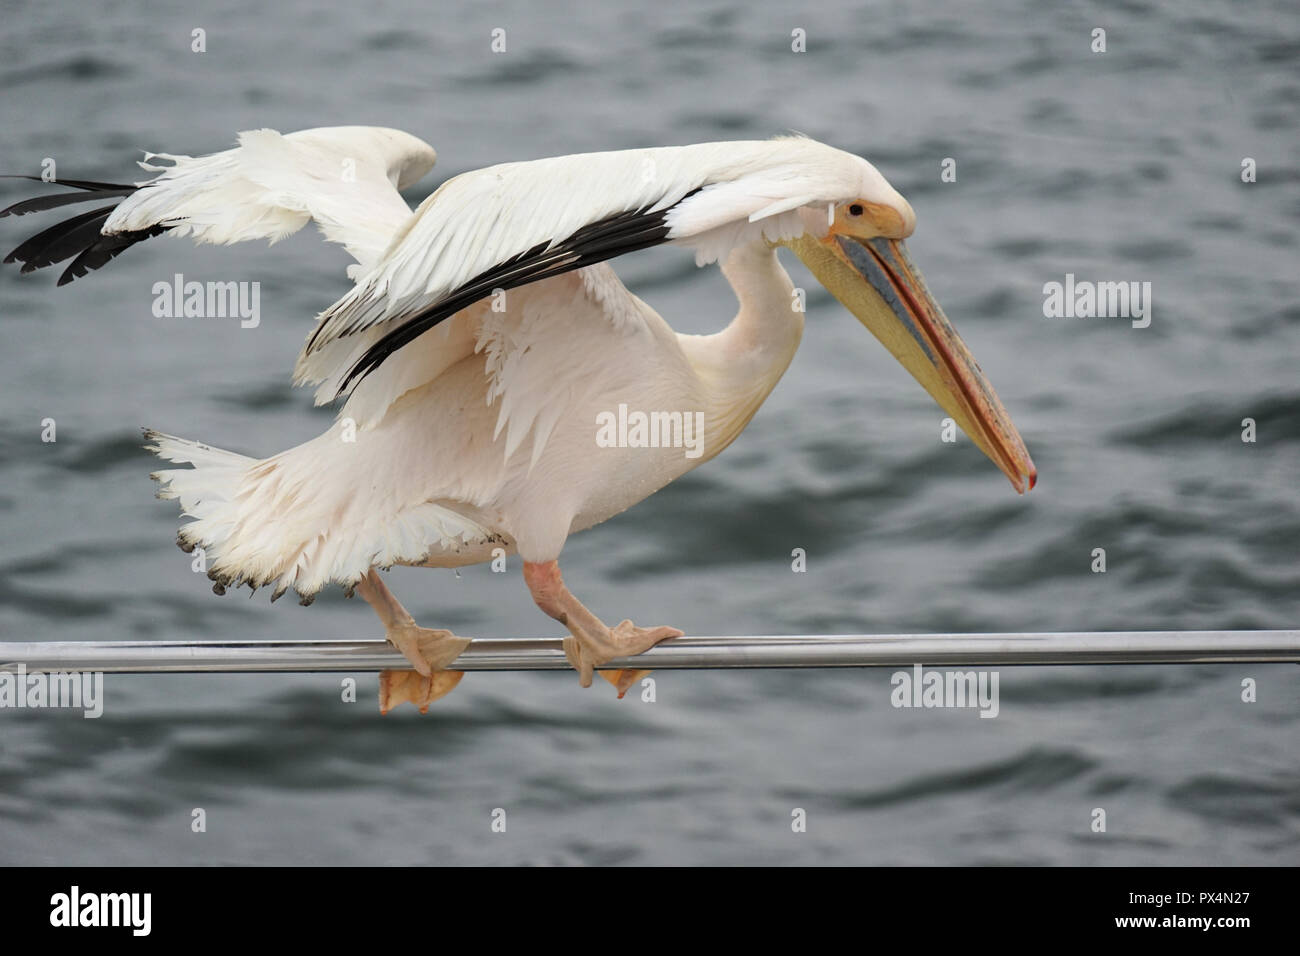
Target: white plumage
<point>345,178</point>
<point>454,465</point>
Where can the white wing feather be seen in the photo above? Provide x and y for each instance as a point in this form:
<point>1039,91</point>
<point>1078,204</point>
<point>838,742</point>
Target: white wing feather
<point>346,178</point>
<point>522,363</point>
<point>479,220</point>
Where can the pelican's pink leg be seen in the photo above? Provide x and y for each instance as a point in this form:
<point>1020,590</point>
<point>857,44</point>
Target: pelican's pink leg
<point>429,651</point>
<point>591,643</point>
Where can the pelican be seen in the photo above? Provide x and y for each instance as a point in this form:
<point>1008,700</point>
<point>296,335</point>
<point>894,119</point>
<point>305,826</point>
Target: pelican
<point>500,387</point>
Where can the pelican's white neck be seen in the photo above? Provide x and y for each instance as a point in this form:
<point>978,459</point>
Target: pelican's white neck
<point>740,365</point>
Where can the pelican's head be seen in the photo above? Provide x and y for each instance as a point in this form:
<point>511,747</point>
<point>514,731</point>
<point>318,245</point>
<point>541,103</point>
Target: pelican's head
<point>855,249</point>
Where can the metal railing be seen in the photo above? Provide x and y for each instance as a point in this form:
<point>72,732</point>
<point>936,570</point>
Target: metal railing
<point>682,653</point>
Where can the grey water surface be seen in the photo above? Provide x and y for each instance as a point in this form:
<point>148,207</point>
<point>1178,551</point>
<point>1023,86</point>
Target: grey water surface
<point>1123,165</point>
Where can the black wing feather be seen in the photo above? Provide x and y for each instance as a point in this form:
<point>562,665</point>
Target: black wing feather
<point>42,203</point>
<point>61,240</point>
<point>105,250</point>
<point>89,190</point>
<point>88,184</point>
<point>81,235</point>
<point>605,239</point>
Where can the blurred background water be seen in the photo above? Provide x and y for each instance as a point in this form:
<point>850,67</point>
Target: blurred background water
<point>1116,166</point>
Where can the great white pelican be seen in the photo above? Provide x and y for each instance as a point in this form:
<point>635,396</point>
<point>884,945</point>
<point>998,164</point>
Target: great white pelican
<point>501,388</point>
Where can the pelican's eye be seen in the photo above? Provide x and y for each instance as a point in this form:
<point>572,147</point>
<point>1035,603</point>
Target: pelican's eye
<point>856,209</point>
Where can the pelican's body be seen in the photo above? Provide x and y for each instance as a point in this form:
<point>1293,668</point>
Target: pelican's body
<point>487,349</point>
<point>544,476</point>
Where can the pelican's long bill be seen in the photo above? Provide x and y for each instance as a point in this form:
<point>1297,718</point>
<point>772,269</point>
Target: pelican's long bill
<point>876,280</point>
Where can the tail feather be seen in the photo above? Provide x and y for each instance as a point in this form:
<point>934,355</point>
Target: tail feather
<point>277,522</point>
<point>215,474</point>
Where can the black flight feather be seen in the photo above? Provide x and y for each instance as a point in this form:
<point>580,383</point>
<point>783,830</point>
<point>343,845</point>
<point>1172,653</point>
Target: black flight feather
<point>42,203</point>
<point>61,240</point>
<point>81,235</point>
<point>596,242</point>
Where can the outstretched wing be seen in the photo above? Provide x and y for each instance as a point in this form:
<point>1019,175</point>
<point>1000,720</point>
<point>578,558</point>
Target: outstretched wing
<point>346,178</point>
<point>507,226</point>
